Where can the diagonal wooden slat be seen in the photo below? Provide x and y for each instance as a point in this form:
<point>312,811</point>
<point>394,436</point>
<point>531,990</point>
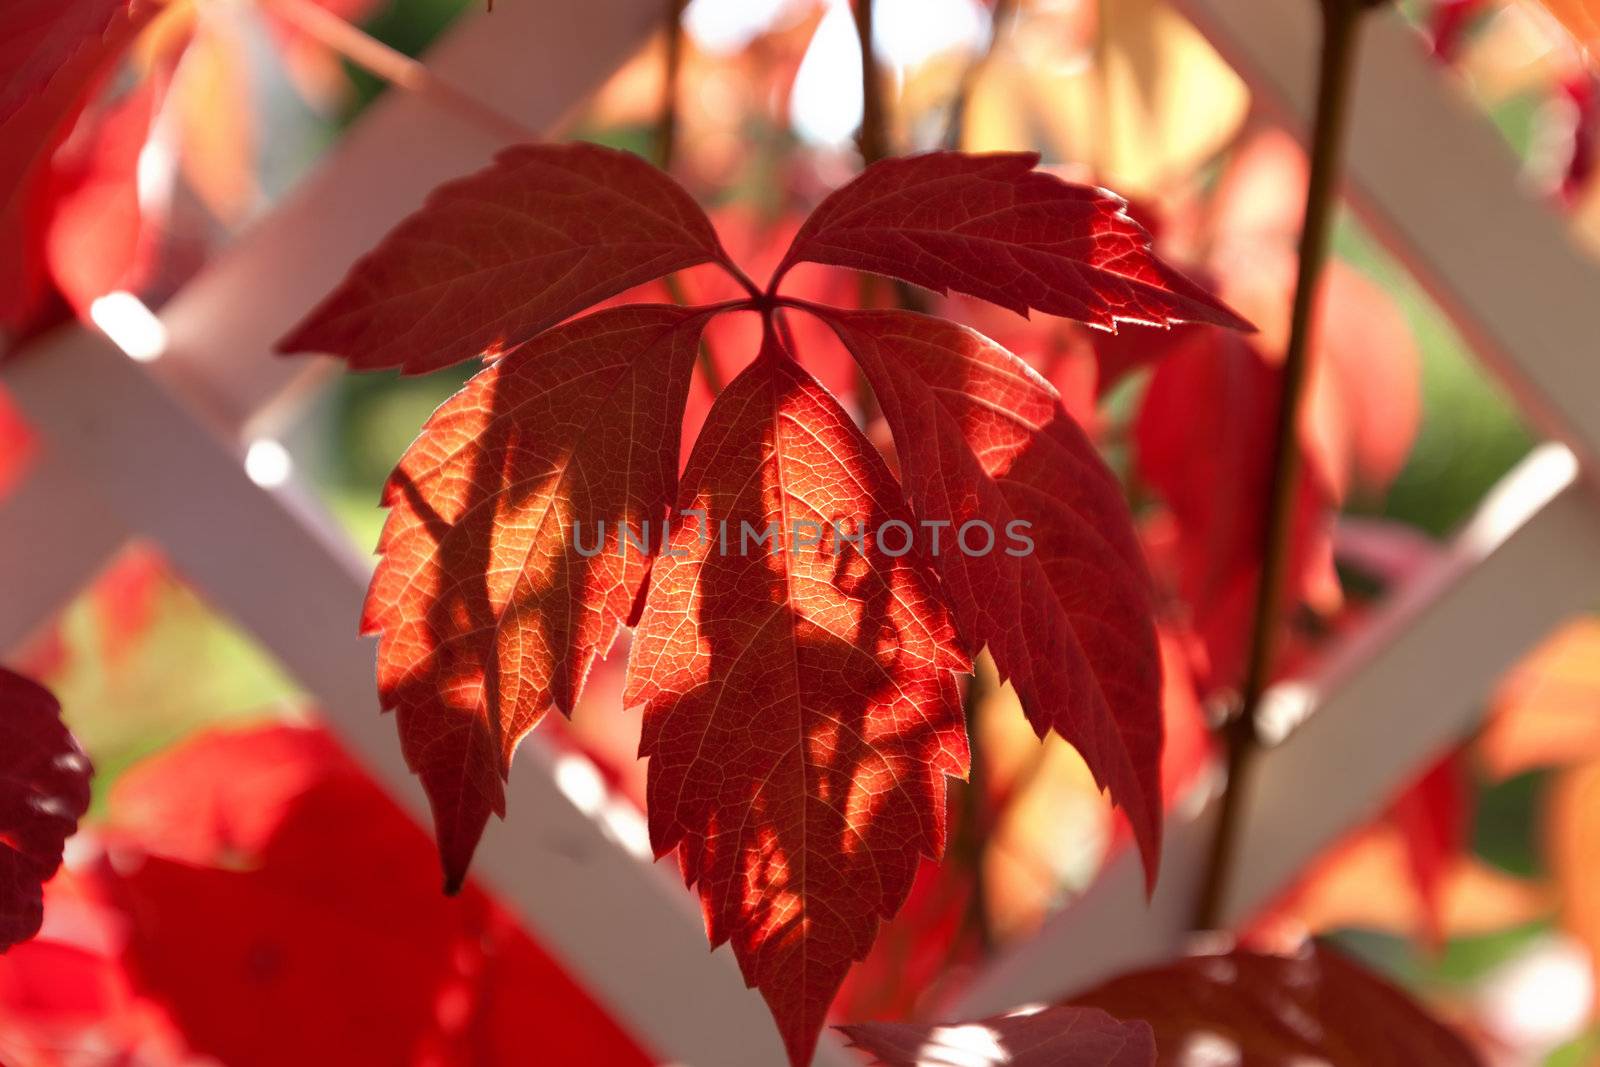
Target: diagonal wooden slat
<point>55,533</point>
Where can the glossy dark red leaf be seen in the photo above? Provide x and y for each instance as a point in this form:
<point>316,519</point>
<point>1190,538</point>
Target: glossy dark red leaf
<point>800,708</point>
<point>44,791</point>
<point>1050,1037</point>
<point>1255,1010</point>
<point>992,226</point>
<point>503,571</point>
<point>498,257</point>
<point>984,443</point>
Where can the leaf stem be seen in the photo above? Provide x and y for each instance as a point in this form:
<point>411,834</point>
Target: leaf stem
<point>1340,30</point>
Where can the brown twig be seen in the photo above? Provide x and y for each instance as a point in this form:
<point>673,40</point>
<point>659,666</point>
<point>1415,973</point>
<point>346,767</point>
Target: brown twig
<point>1340,29</point>
<point>973,832</point>
<point>874,136</point>
<point>666,137</point>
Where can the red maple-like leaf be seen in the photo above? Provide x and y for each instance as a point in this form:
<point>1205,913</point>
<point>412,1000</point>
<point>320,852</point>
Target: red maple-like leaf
<point>491,604</point>
<point>44,791</point>
<point>993,227</point>
<point>498,257</point>
<point>1051,1037</point>
<point>985,446</point>
<point>1280,1011</point>
<point>800,707</point>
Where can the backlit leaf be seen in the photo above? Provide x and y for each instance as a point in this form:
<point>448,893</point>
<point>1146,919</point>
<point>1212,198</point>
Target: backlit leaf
<point>498,257</point>
<point>801,710</point>
<point>488,610</point>
<point>993,227</point>
<point>984,444</point>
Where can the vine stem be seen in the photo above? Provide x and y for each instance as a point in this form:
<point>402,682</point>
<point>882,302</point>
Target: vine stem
<point>874,140</point>
<point>1341,23</point>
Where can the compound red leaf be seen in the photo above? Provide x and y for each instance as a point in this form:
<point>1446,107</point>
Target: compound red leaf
<point>502,575</point>
<point>1276,1011</point>
<point>44,791</point>
<point>1053,1037</point>
<point>801,710</point>
<point>983,442</point>
<point>993,227</point>
<point>498,257</point>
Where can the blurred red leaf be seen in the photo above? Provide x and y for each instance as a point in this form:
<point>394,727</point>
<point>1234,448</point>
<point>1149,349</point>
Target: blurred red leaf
<point>497,257</point>
<point>125,596</point>
<point>1434,818</point>
<point>491,605</point>
<point>984,442</point>
<point>44,791</point>
<point>98,239</point>
<point>52,58</point>
<point>1204,440</point>
<point>1275,1011</point>
<point>304,892</point>
<point>1050,1037</point>
<point>801,710</point>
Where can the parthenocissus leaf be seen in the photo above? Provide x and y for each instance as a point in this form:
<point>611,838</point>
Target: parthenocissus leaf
<point>983,440</point>
<point>488,611</point>
<point>801,708</point>
<point>498,257</point>
<point>993,227</point>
